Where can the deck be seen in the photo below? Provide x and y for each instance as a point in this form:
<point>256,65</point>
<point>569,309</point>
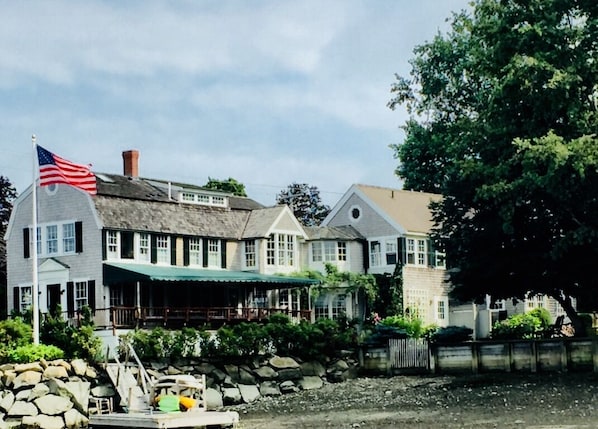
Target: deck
<point>189,419</point>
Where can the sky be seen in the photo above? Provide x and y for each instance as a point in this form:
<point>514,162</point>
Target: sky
<point>268,92</point>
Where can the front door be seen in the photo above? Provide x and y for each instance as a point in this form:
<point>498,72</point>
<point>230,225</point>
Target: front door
<point>53,297</point>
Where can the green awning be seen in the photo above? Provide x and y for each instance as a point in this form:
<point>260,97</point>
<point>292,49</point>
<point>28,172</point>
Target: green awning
<point>123,272</point>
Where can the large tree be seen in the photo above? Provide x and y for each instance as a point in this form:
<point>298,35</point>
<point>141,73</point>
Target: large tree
<point>305,202</point>
<point>7,194</point>
<point>504,111</point>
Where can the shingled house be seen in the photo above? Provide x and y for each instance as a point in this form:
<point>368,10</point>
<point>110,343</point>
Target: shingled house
<point>146,252</point>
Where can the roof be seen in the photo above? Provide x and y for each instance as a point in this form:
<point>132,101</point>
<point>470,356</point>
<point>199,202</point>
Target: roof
<point>260,221</point>
<point>409,209</point>
<point>118,272</point>
<point>332,233</point>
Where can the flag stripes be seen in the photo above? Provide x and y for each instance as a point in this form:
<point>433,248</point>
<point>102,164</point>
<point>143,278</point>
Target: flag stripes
<point>56,170</point>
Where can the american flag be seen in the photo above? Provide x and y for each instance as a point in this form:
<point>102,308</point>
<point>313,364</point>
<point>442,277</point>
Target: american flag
<point>54,169</point>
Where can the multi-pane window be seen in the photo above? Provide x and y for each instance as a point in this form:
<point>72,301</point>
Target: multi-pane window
<point>329,251</point>
<point>68,237</point>
<point>421,252</point>
<point>283,298</point>
<point>339,306</point>
<point>342,250</point>
<point>144,247</point>
<point>391,252</point>
<point>316,252</point>
<point>375,253</point>
<point>280,250</point>
<point>113,244</point>
<point>163,249</point>
<point>321,307</point>
<point>441,309</point>
<point>25,300</point>
<point>39,240</point>
<point>250,255</point>
<point>416,303</point>
<point>195,251</point>
<point>260,298</point>
<point>416,251</point>
<point>212,200</point>
<point>51,239</point>
<point>81,297</point>
<point>214,253</point>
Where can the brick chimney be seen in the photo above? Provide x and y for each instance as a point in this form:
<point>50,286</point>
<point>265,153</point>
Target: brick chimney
<point>131,163</point>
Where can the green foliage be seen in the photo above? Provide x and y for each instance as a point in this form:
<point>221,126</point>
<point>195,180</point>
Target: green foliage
<point>33,353</point>
<point>451,334</point>
<point>413,327</point>
<point>528,325</point>
<point>504,111</point>
<point>229,185</point>
<point>352,282</point>
<point>305,202</point>
<point>161,344</point>
<point>76,342</point>
<point>14,333</point>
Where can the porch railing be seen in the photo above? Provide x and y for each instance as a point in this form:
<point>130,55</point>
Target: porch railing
<point>127,317</point>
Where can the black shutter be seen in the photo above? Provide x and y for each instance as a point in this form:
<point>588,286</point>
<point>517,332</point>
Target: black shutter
<point>173,250</point>
<point>402,244</point>
<point>104,248</point>
<point>79,237</point>
<point>366,255</point>
<point>223,253</point>
<point>91,295</point>
<point>26,248</point>
<point>431,253</point>
<point>186,251</point>
<point>70,299</point>
<point>16,299</point>
<point>154,249</point>
<point>204,243</point>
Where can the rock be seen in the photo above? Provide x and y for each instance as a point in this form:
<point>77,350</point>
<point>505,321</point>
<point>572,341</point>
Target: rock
<point>270,388</point>
<point>266,373</point>
<point>173,370</point>
<point>91,373</point>
<point>228,382</point>
<point>76,391</point>
<point>23,395</point>
<point>278,363</point>
<point>64,364</point>
<point>249,392</point>
<point>26,379</point>
<point>339,365</point>
<point>246,377</point>
<point>233,372</point>
<point>38,391</point>
<point>314,368</point>
<point>43,422</point>
<point>205,368</point>
<point>55,372</point>
<point>289,374</point>
<point>7,401</point>
<point>79,367</point>
<point>8,378</point>
<point>22,408</point>
<point>310,382</point>
<point>338,376</point>
<point>218,375</point>
<point>73,419</point>
<point>213,399</point>
<point>231,396</point>
<point>53,405</point>
<point>25,367</point>
<point>288,387</point>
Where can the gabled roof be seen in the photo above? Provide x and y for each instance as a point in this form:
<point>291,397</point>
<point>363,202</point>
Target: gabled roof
<point>332,233</point>
<point>409,209</point>
<point>264,221</point>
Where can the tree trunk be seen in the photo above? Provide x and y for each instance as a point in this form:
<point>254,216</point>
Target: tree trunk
<point>576,320</point>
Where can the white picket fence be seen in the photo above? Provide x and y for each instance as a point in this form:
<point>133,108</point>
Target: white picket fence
<point>409,353</point>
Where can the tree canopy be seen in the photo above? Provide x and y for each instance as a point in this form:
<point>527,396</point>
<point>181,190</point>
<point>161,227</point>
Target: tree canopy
<point>305,202</point>
<point>7,195</point>
<point>229,185</point>
<point>504,114</point>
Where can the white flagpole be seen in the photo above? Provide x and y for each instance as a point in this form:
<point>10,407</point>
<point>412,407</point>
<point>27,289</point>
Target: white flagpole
<point>35,286</point>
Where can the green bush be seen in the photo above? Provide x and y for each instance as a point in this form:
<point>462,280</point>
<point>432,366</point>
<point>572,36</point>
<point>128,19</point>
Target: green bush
<point>523,326</point>
<point>414,328</point>
<point>14,333</point>
<point>33,353</point>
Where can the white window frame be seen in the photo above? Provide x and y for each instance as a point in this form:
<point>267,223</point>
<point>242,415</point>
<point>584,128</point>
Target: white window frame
<point>250,249</point>
<point>163,249</point>
<point>53,240</point>
<point>259,298</point>
<point>143,244</point>
<point>112,245</point>
<point>390,248</point>
<point>416,251</point>
<point>280,250</point>
<point>441,310</point>
<point>375,253</point>
<point>81,294</point>
<point>68,238</point>
<point>214,253</point>
<point>195,251</point>
<point>25,299</point>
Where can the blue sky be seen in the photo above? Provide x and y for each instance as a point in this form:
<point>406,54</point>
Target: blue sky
<point>268,92</point>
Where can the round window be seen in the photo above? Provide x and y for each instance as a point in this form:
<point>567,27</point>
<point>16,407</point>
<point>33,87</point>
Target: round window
<point>354,213</point>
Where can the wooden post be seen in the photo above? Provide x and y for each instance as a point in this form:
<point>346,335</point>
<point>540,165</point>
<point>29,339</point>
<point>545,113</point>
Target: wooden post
<point>509,356</point>
<point>564,357</point>
<point>533,356</point>
<point>475,356</point>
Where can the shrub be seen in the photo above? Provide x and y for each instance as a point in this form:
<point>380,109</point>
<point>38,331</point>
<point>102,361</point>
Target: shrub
<point>413,327</point>
<point>451,334</point>
<point>33,353</point>
<point>522,326</point>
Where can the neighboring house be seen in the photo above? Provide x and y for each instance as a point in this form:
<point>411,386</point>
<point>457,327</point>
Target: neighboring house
<point>396,225</point>
<point>145,252</point>
<point>342,247</point>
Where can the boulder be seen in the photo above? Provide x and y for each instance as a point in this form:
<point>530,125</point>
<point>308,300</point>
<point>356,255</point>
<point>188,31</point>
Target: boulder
<point>245,376</point>
<point>289,374</point>
<point>79,367</point>
<point>269,388</point>
<point>53,405</point>
<point>310,382</point>
<point>213,399</point>
<point>27,379</point>
<point>102,391</point>
<point>266,373</point>
<point>338,365</point>
<point>278,363</point>
<point>7,401</point>
<point>38,391</point>
<point>25,367</point>
<point>288,387</point>
<point>73,419</point>
<point>313,368</point>
<point>22,408</point>
<point>231,396</point>
<point>43,422</point>
<point>249,392</point>
<point>55,372</point>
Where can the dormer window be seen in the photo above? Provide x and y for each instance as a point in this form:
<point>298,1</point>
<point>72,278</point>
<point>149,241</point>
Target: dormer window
<point>203,199</point>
